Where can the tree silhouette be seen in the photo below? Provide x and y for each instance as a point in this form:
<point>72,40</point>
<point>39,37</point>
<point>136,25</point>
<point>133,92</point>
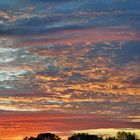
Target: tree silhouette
<point>126,136</point>
<point>44,136</point>
<point>48,136</point>
<point>111,138</point>
<point>26,138</point>
<point>84,136</point>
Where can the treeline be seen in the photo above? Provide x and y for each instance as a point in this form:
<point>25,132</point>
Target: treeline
<point>85,136</point>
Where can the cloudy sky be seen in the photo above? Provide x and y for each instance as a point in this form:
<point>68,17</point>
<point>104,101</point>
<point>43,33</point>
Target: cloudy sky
<point>68,66</point>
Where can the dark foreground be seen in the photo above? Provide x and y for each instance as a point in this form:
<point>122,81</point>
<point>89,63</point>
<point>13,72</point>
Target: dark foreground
<point>85,136</point>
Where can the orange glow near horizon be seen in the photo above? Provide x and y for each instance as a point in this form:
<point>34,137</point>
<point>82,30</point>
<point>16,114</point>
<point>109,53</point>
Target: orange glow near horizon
<point>19,125</point>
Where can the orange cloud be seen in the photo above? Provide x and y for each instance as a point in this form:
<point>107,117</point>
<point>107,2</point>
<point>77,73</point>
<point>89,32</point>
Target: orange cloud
<point>83,36</point>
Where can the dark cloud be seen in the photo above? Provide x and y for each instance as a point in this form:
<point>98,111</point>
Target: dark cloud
<point>130,52</point>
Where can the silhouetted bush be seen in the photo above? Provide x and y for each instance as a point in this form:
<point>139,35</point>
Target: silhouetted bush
<point>126,136</point>
<point>44,136</point>
<point>123,136</point>
<point>83,136</point>
<point>111,138</point>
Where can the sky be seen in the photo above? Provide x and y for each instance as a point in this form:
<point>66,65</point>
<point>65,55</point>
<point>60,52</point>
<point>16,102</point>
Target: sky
<point>69,66</point>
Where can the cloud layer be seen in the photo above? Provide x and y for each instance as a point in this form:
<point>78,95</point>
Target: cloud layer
<point>75,57</point>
